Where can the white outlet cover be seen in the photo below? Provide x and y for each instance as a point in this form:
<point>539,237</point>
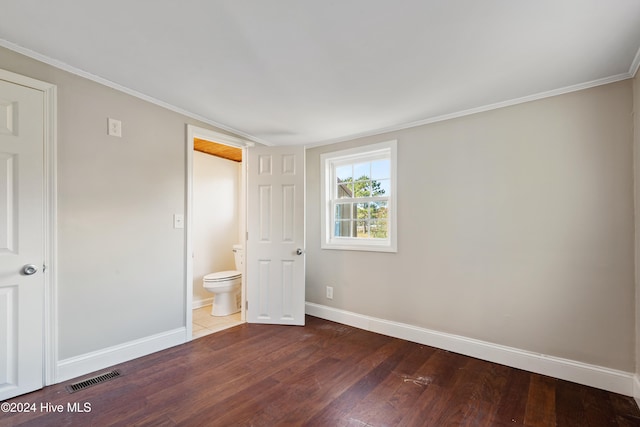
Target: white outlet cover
<point>329,292</point>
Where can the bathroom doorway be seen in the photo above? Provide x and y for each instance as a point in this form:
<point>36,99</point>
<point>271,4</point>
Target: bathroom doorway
<point>215,222</point>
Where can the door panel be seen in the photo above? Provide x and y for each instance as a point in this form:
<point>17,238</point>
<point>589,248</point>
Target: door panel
<point>21,239</point>
<point>275,270</point>
<point>8,205</point>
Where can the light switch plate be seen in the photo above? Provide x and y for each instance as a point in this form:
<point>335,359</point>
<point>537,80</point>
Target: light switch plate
<point>114,127</point>
<point>178,221</point>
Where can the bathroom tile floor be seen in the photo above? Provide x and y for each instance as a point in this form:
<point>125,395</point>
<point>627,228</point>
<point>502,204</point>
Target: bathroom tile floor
<point>204,323</point>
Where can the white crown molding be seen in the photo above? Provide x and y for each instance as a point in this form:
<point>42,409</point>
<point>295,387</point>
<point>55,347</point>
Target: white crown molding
<point>633,69</point>
<point>70,69</point>
<point>481,109</point>
<point>565,369</point>
<point>66,67</point>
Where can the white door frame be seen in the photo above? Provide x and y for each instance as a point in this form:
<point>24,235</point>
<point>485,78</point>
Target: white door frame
<point>219,138</point>
<point>50,332</point>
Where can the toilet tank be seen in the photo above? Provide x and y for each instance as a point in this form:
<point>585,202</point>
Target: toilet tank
<point>238,254</point>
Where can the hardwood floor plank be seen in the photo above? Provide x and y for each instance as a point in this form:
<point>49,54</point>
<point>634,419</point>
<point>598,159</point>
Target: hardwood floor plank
<point>541,402</point>
<point>489,380</point>
<point>380,365</point>
<point>512,404</point>
<point>570,405</point>
<point>461,405</point>
<point>298,395</point>
<point>323,374</point>
<point>388,403</point>
<point>625,410</point>
<point>441,371</point>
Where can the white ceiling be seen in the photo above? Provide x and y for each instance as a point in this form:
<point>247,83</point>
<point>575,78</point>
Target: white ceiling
<point>313,71</point>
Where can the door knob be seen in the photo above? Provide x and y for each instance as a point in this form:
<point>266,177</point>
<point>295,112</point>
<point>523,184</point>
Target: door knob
<point>29,269</point>
<point>299,251</point>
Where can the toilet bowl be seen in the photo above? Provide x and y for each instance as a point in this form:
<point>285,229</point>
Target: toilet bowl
<point>226,287</point>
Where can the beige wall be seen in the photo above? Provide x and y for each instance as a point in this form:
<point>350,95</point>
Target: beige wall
<point>515,227</point>
<point>120,261</point>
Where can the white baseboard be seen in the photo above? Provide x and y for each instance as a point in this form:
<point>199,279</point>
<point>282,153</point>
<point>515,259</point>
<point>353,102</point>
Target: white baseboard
<point>636,389</point>
<point>199,303</point>
<point>80,365</point>
<point>582,373</point>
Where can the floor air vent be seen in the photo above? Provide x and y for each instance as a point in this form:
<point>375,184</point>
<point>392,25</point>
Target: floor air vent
<point>107,376</point>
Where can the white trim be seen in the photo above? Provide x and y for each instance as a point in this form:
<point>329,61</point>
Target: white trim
<point>481,109</point>
<point>636,389</point>
<point>199,303</point>
<point>583,373</point>
<point>364,153</point>
<point>50,143</point>
<point>573,88</point>
<point>221,138</point>
<point>68,68</point>
<point>89,362</point>
<point>635,64</point>
<point>188,235</point>
<point>51,236</point>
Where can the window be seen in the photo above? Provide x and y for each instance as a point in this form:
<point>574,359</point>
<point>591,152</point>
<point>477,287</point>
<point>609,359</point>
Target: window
<point>359,198</point>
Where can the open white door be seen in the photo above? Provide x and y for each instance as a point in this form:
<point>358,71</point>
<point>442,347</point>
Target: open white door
<point>21,239</point>
<point>275,244</point>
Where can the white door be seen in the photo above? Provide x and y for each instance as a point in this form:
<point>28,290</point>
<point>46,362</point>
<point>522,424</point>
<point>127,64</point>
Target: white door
<point>275,244</point>
<point>21,239</point>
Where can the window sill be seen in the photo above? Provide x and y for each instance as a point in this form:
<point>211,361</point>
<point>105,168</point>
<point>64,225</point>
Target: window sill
<point>386,247</point>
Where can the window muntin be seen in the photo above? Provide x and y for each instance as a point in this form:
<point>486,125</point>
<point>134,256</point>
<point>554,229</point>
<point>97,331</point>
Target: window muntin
<point>359,198</point>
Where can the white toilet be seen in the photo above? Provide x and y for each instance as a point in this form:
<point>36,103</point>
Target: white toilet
<point>226,287</point>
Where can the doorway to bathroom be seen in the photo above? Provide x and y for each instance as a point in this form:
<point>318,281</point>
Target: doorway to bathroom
<point>215,222</point>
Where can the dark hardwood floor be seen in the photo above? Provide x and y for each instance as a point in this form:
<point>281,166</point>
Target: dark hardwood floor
<point>323,374</point>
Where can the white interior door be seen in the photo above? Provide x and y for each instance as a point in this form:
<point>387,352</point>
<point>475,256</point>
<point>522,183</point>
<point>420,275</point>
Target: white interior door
<point>21,239</point>
<point>275,244</point>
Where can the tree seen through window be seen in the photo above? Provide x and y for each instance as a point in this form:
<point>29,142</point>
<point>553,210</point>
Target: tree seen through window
<point>362,209</point>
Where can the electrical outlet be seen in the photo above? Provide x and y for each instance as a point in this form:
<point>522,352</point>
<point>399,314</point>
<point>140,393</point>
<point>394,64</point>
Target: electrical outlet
<point>329,292</point>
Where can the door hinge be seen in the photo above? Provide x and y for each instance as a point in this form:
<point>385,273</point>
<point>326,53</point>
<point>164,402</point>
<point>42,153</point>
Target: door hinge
<point>246,305</point>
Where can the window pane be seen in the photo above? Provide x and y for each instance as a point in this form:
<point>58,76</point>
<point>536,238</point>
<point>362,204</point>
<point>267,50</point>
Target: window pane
<point>344,189</point>
<point>378,210</point>
<point>380,169</point>
<point>362,210</point>
<point>344,173</point>
<point>362,188</point>
<point>363,229</point>
<point>342,228</point>
<point>362,171</point>
<point>381,187</point>
<point>379,229</point>
<point>343,211</point>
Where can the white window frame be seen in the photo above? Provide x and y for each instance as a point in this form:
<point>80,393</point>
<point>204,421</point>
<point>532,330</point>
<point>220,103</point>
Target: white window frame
<point>328,162</point>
